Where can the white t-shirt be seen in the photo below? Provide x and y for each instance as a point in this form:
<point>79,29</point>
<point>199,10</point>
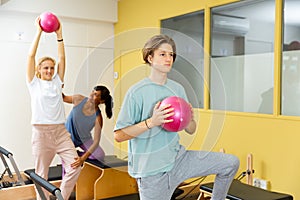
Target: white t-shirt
<point>46,101</point>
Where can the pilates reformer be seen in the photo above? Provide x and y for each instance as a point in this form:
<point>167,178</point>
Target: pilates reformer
<point>42,183</point>
<point>237,191</point>
<point>15,184</point>
<point>107,179</point>
<point>242,191</point>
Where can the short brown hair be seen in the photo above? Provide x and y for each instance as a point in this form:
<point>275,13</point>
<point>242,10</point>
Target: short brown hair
<point>154,43</point>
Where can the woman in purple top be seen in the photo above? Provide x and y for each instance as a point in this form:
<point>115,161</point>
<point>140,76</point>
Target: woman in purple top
<point>86,116</point>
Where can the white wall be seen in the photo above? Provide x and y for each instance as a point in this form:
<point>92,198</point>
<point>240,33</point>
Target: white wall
<point>88,31</point>
<point>100,10</point>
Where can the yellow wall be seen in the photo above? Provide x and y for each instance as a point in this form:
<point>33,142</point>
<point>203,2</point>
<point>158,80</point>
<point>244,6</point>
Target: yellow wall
<point>272,139</point>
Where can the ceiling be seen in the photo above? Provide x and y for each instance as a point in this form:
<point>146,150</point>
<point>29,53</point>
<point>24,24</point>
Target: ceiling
<point>263,8</point>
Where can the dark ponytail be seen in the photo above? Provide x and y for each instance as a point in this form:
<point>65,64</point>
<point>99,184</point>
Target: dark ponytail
<point>108,106</point>
<point>108,100</point>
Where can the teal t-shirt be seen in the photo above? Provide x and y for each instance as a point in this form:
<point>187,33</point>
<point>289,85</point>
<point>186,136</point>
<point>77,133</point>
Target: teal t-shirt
<point>155,150</point>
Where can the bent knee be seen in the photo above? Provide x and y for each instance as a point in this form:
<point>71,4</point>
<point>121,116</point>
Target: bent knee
<point>234,163</point>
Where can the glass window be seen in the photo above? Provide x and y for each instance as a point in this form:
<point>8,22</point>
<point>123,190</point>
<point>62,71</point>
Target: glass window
<point>242,59</point>
<point>187,32</point>
<point>291,59</point>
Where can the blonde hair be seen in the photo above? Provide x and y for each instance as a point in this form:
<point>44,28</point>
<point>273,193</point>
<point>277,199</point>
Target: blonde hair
<point>40,61</point>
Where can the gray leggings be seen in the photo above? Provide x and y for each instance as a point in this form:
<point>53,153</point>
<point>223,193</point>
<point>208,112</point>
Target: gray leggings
<point>191,164</point>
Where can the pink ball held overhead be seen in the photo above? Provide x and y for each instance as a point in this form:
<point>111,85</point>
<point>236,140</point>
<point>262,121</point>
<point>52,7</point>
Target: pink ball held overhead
<point>49,22</point>
<point>182,114</point>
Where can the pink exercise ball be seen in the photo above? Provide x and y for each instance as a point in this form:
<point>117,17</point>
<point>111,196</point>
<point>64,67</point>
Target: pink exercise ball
<point>182,114</point>
<point>49,22</point>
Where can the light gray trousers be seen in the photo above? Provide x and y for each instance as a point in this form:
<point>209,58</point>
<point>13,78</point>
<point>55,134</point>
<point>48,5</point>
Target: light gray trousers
<point>190,164</point>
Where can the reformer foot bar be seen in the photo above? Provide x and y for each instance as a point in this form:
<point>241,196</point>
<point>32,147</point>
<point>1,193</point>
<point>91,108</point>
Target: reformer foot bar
<point>42,183</point>
<point>18,185</point>
<point>242,191</point>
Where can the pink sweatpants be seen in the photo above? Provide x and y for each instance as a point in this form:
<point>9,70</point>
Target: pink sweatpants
<point>47,141</point>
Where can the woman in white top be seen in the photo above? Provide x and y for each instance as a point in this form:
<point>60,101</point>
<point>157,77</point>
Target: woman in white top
<point>49,135</point>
